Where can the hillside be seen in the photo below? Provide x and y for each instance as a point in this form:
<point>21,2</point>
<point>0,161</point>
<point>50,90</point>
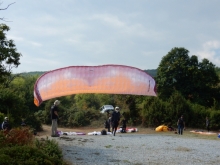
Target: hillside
<point>152,72</point>
<point>39,73</point>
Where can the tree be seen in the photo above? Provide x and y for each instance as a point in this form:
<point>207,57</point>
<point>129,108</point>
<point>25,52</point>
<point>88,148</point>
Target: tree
<point>11,101</point>
<point>24,85</point>
<point>196,81</point>
<point>12,104</point>
<point>87,101</point>
<point>9,57</point>
<point>171,72</point>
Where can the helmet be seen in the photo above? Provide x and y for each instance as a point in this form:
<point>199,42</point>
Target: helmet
<point>57,102</point>
<point>116,108</point>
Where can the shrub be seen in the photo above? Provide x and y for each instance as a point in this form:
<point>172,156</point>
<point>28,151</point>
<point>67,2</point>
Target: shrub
<point>215,118</point>
<point>18,147</point>
<point>2,138</point>
<point>198,115</point>
<point>34,122</point>
<point>25,155</point>
<point>17,136</point>
<point>51,149</point>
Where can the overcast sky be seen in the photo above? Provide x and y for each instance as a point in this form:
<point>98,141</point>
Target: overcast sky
<point>52,34</point>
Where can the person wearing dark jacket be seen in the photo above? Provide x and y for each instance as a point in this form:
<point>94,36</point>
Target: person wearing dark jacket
<point>108,123</point>
<point>54,118</point>
<point>5,125</point>
<point>181,125</point>
<point>124,123</point>
<point>115,120</point>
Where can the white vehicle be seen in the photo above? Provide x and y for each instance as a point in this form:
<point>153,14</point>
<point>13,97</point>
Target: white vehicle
<point>106,108</point>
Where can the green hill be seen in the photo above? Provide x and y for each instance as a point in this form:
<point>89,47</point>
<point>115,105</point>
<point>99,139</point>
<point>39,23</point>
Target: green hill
<point>152,72</point>
<point>39,73</point>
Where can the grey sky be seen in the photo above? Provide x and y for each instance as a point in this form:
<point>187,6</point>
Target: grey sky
<point>53,34</point>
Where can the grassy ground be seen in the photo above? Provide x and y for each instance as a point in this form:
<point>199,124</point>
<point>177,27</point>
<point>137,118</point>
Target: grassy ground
<point>187,134</point>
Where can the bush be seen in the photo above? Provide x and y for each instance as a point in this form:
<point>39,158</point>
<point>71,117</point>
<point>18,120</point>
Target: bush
<point>33,121</point>
<point>197,118</point>
<point>51,149</point>
<point>25,155</point>
<point>214,119</point>
<point>18,147</point>
<point>2,116</point>
<point>153,112</point>
<point>18,136</point>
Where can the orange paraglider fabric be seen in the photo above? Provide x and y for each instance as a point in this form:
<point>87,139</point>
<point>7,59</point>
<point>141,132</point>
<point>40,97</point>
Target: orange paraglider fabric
<point>161,128</point>
<point>109,79</point>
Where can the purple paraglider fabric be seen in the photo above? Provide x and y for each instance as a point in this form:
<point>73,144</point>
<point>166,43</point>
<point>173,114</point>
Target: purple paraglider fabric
<point>109,79</point>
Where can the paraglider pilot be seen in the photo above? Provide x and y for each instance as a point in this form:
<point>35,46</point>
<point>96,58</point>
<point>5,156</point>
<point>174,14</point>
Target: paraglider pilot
<point>54,118</point>
<point>181,125</point>
<point>115,120</point>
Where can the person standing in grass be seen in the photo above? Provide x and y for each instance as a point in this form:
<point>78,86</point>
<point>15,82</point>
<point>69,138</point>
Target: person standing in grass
<point>54,118</point>
<point>207,124</point>
<point>181,125</point>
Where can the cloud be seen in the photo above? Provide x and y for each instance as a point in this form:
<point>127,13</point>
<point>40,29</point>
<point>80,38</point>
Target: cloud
<point>210,50</point>
<point>24,41</point>
<point>59,34</point>
<point>127,26</point>
<point>109,19</point>
<point>35,44</point>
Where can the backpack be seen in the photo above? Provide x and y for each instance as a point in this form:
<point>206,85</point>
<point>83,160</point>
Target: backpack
<point>103,132</point>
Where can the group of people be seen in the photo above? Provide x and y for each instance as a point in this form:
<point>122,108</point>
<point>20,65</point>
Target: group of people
<point>6,126</point>
<point>113,121</point>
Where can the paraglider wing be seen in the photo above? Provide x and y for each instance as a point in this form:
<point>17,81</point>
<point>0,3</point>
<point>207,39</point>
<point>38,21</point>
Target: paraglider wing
<point>110,79</point>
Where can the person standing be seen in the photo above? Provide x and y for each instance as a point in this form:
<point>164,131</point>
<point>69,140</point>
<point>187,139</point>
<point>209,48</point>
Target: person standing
<point>124,123</point>
<point>181,125</point>
<point>5,125</point>
<point>207,123</point>
<point>108,123</point>
<point>115,120</point>
<point>54,118</point>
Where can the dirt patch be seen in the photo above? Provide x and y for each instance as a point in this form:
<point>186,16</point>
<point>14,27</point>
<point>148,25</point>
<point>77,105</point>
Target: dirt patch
<point>183,149</point>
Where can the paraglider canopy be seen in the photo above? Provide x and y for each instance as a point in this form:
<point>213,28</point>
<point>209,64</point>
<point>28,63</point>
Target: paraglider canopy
<point>109,79</point>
